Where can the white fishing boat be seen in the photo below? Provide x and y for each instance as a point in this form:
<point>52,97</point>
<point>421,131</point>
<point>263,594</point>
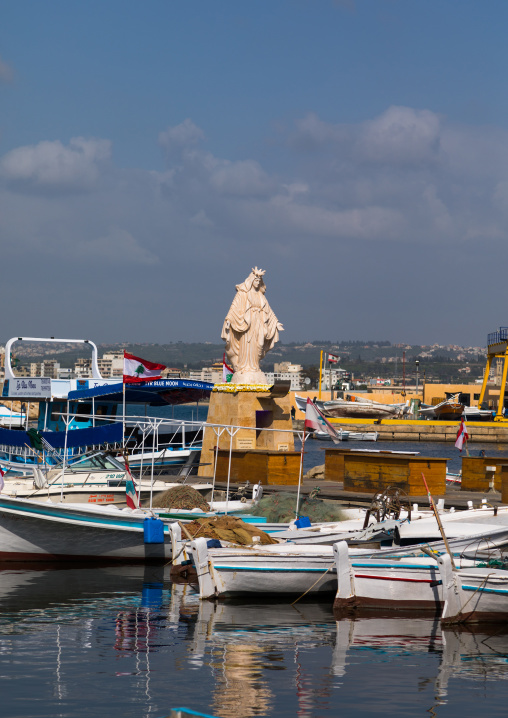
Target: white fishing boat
<point>355,407</point>
<point>472,591</point>
<point>296,568</point>
<point>473,595</point>
<point>456,524</point>
<point>405,528</point>
<point>35,531</point>
<point>344,435</point>
<point>282,569</point>
<point>449,409</point>
<point>473,413</point>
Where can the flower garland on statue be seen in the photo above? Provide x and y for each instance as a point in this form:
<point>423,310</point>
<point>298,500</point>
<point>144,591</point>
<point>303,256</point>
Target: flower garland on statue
<point>233,388</point>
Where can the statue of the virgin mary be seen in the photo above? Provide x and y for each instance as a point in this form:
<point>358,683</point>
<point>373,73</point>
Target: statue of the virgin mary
<point>250,330</point>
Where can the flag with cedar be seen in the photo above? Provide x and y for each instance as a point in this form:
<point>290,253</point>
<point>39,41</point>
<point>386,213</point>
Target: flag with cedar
<point>227,371</point>
<point>136,370</point>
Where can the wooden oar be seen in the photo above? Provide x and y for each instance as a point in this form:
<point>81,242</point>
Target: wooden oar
<point>438,519</point>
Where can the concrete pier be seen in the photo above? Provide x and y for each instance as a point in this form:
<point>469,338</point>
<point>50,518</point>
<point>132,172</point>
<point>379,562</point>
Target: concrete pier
<point>422,430</point>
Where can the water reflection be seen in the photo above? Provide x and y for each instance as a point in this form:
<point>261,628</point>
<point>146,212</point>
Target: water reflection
<point>473,652</point>
<point>250,641</point>
<point>125,636</point>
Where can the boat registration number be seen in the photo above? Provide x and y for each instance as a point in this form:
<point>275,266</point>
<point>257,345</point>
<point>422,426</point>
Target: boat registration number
<point>100,498</point>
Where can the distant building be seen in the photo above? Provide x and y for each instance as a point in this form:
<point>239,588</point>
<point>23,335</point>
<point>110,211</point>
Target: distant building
<point>285,366</point>
<point>113,363</point>
<point>212,374</point>
<point>171,373</point>
<point>49,368</point>
<point>338,374</point>
<point>295,378</point>
<point>83,368</point>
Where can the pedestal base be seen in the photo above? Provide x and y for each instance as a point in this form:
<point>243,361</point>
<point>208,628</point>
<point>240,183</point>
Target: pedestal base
<point>257,412</point>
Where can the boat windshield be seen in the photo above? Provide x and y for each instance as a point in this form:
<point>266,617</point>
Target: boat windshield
<point>98,460</point>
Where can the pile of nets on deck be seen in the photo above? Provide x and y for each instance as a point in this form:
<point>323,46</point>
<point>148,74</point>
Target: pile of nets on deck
<point>226,528</point>
<point>281,508</point>
<point>180,497</point>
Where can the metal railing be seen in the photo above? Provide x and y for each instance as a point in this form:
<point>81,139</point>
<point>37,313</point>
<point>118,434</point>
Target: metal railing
<point>498,337</point>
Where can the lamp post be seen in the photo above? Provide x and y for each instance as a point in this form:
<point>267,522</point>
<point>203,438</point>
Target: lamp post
<point>417,367</point>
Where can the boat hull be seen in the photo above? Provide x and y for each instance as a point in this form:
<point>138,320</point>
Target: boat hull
<point>31,531</point>
<point>223,572</point>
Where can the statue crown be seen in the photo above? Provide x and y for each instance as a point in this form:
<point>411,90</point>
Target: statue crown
<point>258,272</point>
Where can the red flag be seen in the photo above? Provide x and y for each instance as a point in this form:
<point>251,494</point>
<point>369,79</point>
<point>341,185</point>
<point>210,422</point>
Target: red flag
<point>314,419</point>
<point>136,369</point>
<point>462,435</point>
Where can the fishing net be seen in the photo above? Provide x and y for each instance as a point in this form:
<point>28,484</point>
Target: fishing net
<point>180,497</point>
<point>226,528</point>
<point>281,507</point>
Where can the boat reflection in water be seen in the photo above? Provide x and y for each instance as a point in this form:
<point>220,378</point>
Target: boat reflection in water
<point>124,636</point>
<point>468,652</point>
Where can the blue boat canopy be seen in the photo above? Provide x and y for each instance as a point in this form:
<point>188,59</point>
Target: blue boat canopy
<point>155,393</point>
<point>110,434</point>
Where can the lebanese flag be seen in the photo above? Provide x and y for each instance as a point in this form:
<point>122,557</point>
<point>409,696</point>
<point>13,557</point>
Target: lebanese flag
<point>227,372</point>
<point>2,482</point>
<point>333,358</point>
<point>131,496</point>
<point>136,369</point>
<point>315,419</point>
<point>462,435</point>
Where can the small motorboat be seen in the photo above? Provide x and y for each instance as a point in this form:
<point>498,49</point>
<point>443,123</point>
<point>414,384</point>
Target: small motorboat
<point>448,410</point>
<point>346,435</point>
<point>355,407</point>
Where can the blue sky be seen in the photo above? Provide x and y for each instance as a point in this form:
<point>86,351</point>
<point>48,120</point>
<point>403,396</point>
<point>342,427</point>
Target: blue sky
<point>151,153</point>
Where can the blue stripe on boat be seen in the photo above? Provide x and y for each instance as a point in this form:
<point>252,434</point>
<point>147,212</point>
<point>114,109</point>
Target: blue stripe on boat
<point>106,520</point>
<point>500,591</point>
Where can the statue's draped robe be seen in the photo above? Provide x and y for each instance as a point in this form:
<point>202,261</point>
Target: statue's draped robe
<point>253,330</point>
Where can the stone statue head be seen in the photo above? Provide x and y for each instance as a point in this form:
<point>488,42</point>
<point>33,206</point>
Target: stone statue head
<point>255,279</point>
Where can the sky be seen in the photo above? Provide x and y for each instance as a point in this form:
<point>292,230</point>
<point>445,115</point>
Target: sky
<point>152,153</point>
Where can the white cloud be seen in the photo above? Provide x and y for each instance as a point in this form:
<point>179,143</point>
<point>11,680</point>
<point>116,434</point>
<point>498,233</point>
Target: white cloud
<point>245,177</point>
<point>178,140</point>
<point>400,135</point>
<point>54,166</point>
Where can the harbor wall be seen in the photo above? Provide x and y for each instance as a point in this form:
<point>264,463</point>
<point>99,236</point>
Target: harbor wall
<point>421,430</point>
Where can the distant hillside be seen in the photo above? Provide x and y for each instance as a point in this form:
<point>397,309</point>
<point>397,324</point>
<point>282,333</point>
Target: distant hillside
<point>363,358</point>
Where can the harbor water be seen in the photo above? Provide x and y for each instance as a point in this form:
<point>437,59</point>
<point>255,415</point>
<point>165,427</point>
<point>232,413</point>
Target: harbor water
<point>124,641</point>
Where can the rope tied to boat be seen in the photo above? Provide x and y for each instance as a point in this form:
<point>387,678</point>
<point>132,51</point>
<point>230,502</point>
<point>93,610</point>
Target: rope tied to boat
<point>330,568</point>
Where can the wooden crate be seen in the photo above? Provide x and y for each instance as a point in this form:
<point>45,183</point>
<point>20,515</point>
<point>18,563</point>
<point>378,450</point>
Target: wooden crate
<point>504,483</point>
<point>334,464</point>
<point>259,466</point>
<point>474,472</point>
<point>370,473</point>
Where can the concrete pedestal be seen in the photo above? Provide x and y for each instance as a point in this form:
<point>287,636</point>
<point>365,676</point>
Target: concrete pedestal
<point>256,411</point>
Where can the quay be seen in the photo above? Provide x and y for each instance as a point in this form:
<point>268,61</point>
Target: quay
<point>334,491</point>
<point>422,429</point>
